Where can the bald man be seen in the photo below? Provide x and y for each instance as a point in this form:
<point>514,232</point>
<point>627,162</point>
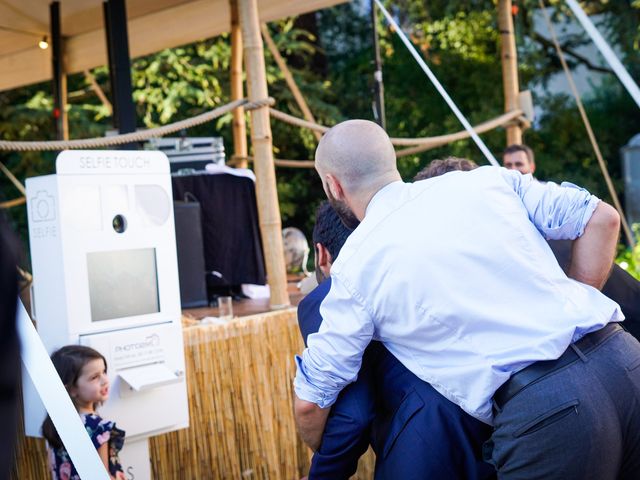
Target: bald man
<point>547,365</point>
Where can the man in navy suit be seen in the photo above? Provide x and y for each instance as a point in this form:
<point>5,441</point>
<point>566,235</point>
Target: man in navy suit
<point>415,432</point>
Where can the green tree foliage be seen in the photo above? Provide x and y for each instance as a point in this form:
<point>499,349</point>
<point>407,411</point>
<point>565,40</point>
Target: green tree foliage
<point>331,57</point>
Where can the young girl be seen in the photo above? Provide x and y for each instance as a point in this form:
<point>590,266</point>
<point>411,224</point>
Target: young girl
<point>83,371</point>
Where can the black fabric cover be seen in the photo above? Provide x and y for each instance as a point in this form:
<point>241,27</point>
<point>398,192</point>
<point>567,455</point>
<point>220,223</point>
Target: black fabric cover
<point>230,231</point>
<point>191,269</point>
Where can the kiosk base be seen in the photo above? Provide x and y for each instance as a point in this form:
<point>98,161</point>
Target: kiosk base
<point>135,459</point>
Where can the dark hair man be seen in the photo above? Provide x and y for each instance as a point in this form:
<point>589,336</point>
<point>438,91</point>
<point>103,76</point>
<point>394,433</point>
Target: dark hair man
<point>519,157</point>
<point>417,434</point>
<point>547,365</point>
<point>329,234</point>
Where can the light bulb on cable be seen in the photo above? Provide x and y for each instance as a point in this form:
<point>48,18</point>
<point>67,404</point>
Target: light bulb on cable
<point>43,44</point>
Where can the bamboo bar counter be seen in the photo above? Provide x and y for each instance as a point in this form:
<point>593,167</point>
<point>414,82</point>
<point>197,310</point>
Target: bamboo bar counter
<point>239,380</point>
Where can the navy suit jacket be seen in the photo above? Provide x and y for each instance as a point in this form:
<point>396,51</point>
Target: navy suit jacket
<point>347,432</point>
<point>415,432</point>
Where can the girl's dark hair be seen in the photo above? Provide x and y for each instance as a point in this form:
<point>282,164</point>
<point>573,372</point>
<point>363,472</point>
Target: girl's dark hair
<point>68,362</point>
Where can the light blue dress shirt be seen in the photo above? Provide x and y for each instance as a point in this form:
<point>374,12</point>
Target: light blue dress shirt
<point>454,276</point>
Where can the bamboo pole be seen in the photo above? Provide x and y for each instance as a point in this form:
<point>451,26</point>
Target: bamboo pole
<point>288,77</point>
<point>239,126</point>
<point>98,90</point>
<point>266,193</point>
<point>509,68</point>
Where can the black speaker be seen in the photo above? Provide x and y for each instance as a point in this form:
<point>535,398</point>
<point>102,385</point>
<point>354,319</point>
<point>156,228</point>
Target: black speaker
<point>191,269</point>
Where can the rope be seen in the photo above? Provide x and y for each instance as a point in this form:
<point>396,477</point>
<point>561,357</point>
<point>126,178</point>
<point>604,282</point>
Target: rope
<point>13,179</point>
<point>298,122</point>
<point>587,126</point>
<point>294,163</point>
<point>278,162</point>
<point>288,77</point>
<point>419,144</point>
<point>13,203</point>
<point>432,142</point>
<point>428,142</point>
<point>134,136</point>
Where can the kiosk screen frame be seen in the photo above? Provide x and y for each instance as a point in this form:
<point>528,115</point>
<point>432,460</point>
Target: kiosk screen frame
<point>122,283</point>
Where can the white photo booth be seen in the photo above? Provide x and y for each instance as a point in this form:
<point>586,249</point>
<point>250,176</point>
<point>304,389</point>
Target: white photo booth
<point>105,273</point>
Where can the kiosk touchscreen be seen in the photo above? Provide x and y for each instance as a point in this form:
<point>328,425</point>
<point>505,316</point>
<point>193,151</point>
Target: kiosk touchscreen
<point>105,272</point>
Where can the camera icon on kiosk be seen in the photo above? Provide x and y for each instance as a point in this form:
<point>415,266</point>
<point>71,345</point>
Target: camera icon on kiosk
<point>43,207</point>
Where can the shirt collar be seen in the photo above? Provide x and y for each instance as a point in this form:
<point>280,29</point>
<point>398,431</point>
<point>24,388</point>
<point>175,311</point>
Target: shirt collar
<point>381,195</point>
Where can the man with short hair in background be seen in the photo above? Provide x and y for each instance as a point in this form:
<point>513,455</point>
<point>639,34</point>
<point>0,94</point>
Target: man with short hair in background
<point>519,157</point>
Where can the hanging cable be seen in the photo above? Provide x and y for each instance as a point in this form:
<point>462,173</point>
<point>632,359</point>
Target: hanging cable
<point>481,145</point>
<point>587,126</point>
<point>606,51</point>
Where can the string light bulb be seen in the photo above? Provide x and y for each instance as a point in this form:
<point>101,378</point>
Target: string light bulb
<point>44,43</point>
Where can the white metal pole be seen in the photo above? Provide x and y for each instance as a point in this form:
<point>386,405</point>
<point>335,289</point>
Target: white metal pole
<point>57,401</point>
<point>439,86</point>
<point>606,51</point>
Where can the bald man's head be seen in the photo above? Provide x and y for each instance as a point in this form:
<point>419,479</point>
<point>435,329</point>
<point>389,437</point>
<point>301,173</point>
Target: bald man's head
<point>359,154</point>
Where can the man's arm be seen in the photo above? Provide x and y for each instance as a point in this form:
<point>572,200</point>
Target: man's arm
<point>347,429</point>
<point>310,420</point>
<point>568,212</point>
<point>593,253</point>
<point>332,359</point>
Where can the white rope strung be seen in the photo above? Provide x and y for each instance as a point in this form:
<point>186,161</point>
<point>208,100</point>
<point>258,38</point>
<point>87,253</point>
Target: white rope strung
<point>90,143</point>
<point>439,87</point>
<point>606,51</point>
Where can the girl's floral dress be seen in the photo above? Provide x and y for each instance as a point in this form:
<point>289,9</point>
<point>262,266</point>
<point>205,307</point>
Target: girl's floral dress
<point>100,431</point>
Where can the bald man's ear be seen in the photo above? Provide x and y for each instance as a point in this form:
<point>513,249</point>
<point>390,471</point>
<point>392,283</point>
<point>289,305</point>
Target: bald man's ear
<point>334,186</point>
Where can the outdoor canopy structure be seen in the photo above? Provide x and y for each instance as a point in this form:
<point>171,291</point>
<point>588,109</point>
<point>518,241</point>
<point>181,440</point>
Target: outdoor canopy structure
<point>154,25</point>
<point>151,26</point>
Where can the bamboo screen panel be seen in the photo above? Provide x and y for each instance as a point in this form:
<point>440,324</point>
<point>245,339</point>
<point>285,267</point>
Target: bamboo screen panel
<point>239,379</point>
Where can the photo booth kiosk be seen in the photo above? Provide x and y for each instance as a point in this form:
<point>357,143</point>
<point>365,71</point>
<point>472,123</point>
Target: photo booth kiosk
<point>105,275</point>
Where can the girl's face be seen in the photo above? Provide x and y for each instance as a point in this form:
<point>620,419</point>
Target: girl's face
<point>92,385</point>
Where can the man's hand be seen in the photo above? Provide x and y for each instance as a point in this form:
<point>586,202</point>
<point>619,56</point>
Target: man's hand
<point>594,251</point>
<point>310,420</point>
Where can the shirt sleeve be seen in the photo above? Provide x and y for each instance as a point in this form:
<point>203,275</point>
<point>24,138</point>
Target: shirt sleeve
<point>559,212</point>
<point>334,354</point>
<point>347,432</point>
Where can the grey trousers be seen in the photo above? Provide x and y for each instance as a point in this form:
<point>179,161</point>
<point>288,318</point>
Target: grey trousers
<point>581,422</point>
